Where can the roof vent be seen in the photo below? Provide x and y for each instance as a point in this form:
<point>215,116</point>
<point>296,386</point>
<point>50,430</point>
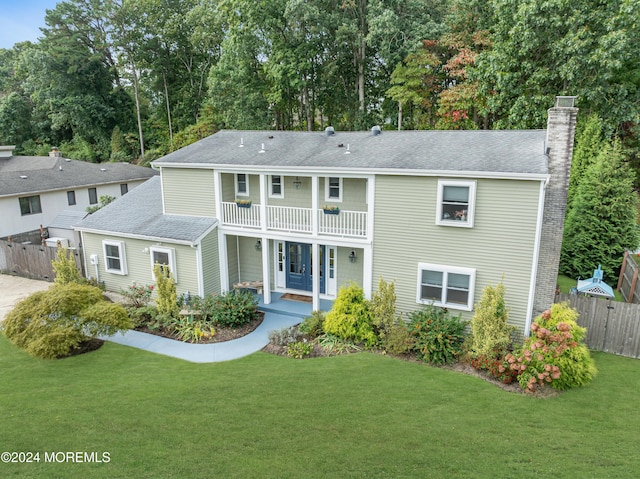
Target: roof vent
<point>375,131</point>
<point>329,131</point>
<point>103,169</point>
<point>24,177</point>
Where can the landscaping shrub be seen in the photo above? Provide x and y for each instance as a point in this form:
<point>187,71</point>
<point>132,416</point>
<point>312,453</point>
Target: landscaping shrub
<point>312,325</point>
<point>285,336</point>
<point>496,366</point>
<point>65,267</point>
<point>490,333</point>
<point>50,324</point>
<point>438,336</point>
<point>391,330</point>
<point>137,296</point>
<point>350,318</point>
<point>299,349</point>
<point>235,308</point>
<point>167,300</point>
<point>554,355</point>
<point>189,328</point>
<point>335,345</point>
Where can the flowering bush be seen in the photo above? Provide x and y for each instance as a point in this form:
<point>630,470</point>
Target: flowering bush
<point>496,367</point>
<point>553,353</point>
<point>137,296</point>
<point>438,337</point>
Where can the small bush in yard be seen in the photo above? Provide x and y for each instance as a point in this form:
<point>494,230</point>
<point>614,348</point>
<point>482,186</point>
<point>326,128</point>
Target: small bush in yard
<point>312,325</point>
<point>137,296</point>
<point>554,355</point>
<point>285,336</point>
<point>65,267</point>
<point>350,317</point>
<point>235,308</point>
<point>50,324</point>
<point>299,349</point>
<point>439,337</point>
<point>496,366</point>
<point>190,329</point>
<point>490,332</point>
<point>167,300</point>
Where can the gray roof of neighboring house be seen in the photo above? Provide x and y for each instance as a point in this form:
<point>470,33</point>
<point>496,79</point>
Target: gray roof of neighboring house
<point>139,213</point>
<point>67,219</point>
<point>47,173</point>
<point>504,151</point>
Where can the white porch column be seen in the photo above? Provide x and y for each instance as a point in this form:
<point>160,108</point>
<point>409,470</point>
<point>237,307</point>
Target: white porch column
<point>315,263</point>
<point>224,262</point>
<point>367,271</point>
<point>263,202</point>
<point>266,268</point>
<point>314,205</point>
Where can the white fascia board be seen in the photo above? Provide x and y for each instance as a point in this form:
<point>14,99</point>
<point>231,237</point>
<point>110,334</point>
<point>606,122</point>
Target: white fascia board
<point>357,172</point>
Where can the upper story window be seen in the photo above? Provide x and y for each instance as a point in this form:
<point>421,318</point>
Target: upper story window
<point>30,205</point>
<point>124,189</point>
<point>71,198</point>
<point>456,203</point>
<point>276,190</point>
<point>446,286</point>
<point>93,196</point>
<point>242,184</point>
<point>333,189</point>
<point>114,257</point>
<point>164,256</point>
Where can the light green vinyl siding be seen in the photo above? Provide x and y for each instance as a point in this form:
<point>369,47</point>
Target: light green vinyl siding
<point>139,268</point>
<point>211,263</point>
<point>501,243</point>
<point>250,260</point>
<point>345,269</point>
<point>232,260</point>
<point>354,194</point>
<point>188,191</point>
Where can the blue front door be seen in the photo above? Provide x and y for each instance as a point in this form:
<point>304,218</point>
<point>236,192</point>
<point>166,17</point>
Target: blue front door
<point>299,267</point>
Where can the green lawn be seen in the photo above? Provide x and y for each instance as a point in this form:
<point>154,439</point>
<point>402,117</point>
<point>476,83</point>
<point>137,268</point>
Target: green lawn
<point>360,416</point>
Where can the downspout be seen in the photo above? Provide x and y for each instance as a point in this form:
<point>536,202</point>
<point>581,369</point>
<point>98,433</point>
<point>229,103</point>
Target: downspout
<point>536,254</point>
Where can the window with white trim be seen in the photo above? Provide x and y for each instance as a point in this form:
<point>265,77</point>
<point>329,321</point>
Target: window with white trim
<point>333,188</point>
<point>456,203</point>
<point>242,184</point>
<point>276,190</point>
<point>446,286</point>
<point>164,256</point>
<point>115,260</point>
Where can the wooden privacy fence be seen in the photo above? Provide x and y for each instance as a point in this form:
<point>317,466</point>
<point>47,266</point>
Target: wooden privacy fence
<point>612,326</point>
<point>31,260</point>
<point>628,283</point>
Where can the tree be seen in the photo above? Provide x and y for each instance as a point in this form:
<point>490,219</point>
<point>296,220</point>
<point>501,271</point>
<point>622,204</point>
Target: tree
<point>602,221</point>
<point>104,201</point>
<point>589,144</point>
<point>543,49</point>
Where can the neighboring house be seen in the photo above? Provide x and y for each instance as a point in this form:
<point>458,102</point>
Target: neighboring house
<point>62,228</point>
<point>34,190</point>
<point>442,213</point>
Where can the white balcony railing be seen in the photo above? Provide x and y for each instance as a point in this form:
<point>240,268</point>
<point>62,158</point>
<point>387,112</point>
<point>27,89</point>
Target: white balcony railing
<point>297,220</point>
<point>287,218</point>
<point>346,223</point>
<point>234,215</point>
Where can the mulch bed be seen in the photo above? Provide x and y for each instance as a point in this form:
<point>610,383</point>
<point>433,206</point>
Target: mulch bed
<point>222,333</point>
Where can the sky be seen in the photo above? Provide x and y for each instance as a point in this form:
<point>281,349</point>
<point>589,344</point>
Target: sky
<point>20,20</point>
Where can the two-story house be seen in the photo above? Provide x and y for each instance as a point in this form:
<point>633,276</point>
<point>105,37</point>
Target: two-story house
<point>441,213</point>
<point>34,190</point>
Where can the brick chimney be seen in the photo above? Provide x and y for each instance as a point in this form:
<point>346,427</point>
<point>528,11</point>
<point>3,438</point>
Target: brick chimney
<point>561,126</point>
<point>55,153</point>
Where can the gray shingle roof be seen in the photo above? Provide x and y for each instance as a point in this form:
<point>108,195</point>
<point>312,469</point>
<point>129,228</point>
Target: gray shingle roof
<point>43,173</point>
<point>139,213</point>
<point>67,219</point>
<point>502,151</point>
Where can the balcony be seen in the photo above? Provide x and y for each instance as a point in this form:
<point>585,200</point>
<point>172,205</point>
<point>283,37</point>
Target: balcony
<point>347,224</point>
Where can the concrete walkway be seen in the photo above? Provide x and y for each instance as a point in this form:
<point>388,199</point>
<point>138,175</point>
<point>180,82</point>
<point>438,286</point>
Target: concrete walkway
<point>278,314</point>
